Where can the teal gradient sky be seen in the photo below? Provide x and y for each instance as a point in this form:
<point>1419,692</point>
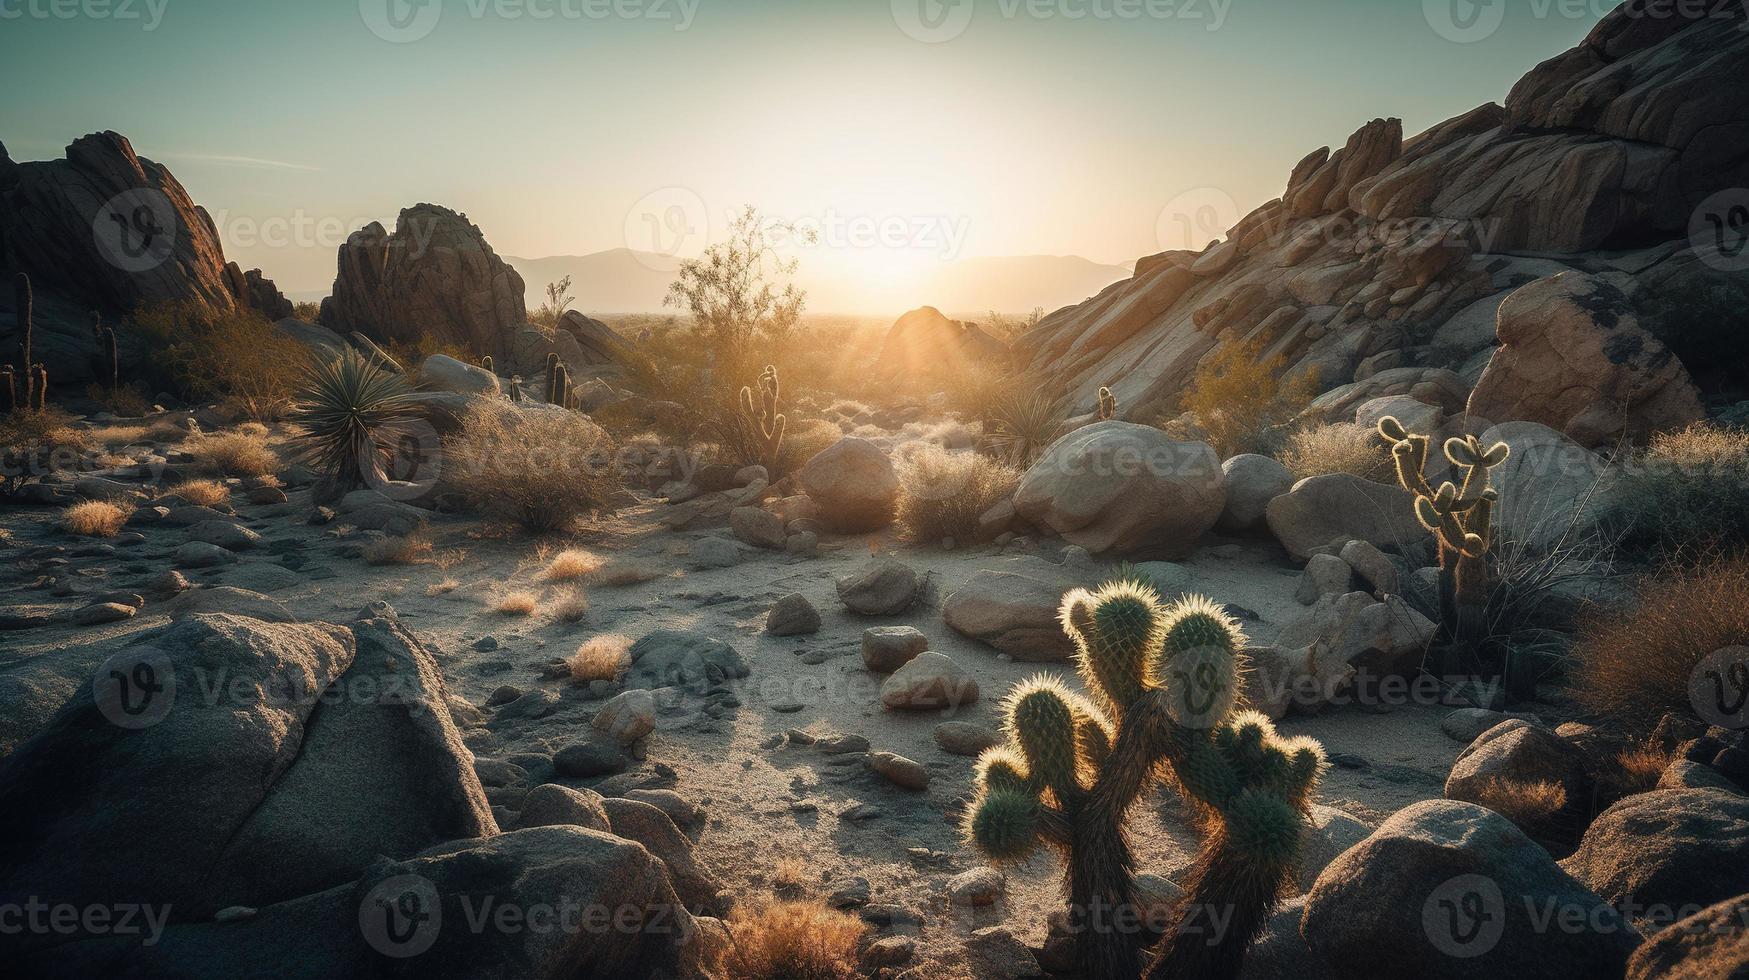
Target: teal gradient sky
<point>1023,134</point>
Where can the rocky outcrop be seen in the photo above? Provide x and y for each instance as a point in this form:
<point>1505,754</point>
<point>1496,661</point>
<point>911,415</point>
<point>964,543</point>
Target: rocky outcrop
<point>108,230</point>
<point>925,344</point>
<point>1374,248</point>
<point>435,275</point>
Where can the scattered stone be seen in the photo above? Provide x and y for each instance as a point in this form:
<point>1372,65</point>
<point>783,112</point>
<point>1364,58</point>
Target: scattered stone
<point>792,615</point>
<point>200,554</point>
<point>226,534</point>
<point>964,738</point>
<point>929,681</point>
<point>629,716</point>
<point>899,770</point>
<point>1252,482</point>
<point>887,648</point>
<point>977,887</point>
<point>884,587</point>
<point>1515,753</point>
<point>758,527</point>
<point>686,815</point>
<point>1324,575</point>
<point>1467,724</point>
<point>1372,565</point>
<point>504,694</point>
<point>585,759</point>
<point>834,745</point>
<point>1667,849</point>
<point>99,613</point>
<point>1015,613</point>
<point>997,954</point>
<point>683,659</point>
<point>854,485</point>
<point>715,553</point>
<point>534,704</point>
<point>889,951</point>
<point>549,804</point>
<point>1332,509</point>
<point>1713,942</point>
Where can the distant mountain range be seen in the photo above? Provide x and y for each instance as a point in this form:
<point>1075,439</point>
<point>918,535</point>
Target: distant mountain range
<point>626,281</point>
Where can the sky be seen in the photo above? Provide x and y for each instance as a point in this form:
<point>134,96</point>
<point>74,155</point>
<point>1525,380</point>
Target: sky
<point>904,133</point>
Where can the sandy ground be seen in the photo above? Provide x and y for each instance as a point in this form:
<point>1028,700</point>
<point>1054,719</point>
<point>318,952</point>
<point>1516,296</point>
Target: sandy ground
<point>765,804</point>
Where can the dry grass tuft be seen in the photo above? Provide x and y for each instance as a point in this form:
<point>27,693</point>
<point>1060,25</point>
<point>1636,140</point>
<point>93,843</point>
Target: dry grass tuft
<point>572,564</point>
<point>202,493</point>
<point>571,605</point>
<point>444,587</point>
<point>600,658</point>
<point>791,941</point>
<point>1639,767</point>
<point>1340,448</point>
<point>1530,805</point>
<point>1683,497</point>
<point>408,549</point>
<point>942,494</point>
<point>520,602</point>
<point>542,470</point>
<point>1636,665</point>
<point>620,574</point>
<point>95,519</point>
<point>235,453</point>
<point>789,879</point>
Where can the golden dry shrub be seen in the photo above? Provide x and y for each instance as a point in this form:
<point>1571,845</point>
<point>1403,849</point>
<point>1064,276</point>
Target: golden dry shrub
<point>1683,496</point>
<point>618,574</point>
<point>1241,400</point>
<point>600,658</point>
<point>1342,447</point>
<point>516,602</point>
<point>405,549</point>
<point>571,605</point>
<point>95,519</point>
<point>237,357</point>
<point>791,940</point>
<point>234,453</point>
<point>1634,665</point>
<point>202,493</point>
<point>942,494</point>
<point>572,564</point>
<point>544,469</point>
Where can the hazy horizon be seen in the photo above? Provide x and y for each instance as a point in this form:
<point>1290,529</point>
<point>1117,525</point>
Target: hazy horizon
<point>922,134</point>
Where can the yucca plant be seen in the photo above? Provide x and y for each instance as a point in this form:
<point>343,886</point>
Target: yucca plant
<point>1165,684</point>
<point>1022,424</point>
<point>350,410</point>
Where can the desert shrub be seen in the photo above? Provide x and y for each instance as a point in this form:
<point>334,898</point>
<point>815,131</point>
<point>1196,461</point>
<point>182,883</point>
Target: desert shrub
<point>95,519</point>
<point>791,941</point>
<point>125,401</point>
<point>35,444</point>
<point>307,311</point>
<point>415,351</point>
<point>442,588</point>
<point>1241,402</point>
<point>1342,447</point>
<point>1530,805</point>
<point>600,658</point>
<point>202,493</point>
<point>1637,769</point>
<point>404,549</point>
<point>234,453</point>
<point>1635,665</point>
<point>543,470</point>
<point>233,356</point>
<point>350,412</point>
<point>1021,424</point>
<point>515,602</point>
<point>572,564</point>
<point>805,439</point>
<point>942,494</point>
<point>571,605</point>
<point>1683,497</point>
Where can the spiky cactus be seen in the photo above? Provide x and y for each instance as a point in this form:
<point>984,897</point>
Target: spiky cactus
<point>486,362</point>
<point>764,418</point>
<point>8,389</point>
<point>39,387</point>
<point>516,387</point>
<point>561,382</point>
<point>26,326</point>
<point>1107,405</point>
<point>1164,685</point>
<point>106,349</point>
<point>1461,520</point>
<point>552,377</point>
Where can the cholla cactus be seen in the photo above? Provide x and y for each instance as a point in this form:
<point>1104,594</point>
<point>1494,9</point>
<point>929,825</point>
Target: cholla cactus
<point>552,377</point>
<point>105,337</point>
<point>1164,685</point>
<point>516,387</point>
<point>762,414</point>
<point>1107,405</point>
<point>560,380</point>
<point>1461,519</point>
<point>8,389</point>
<point>22,306</point>
<point>486,362</point>
<point>38,387</point>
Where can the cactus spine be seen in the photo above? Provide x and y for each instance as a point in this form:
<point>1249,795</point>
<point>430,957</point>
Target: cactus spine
<point>106,349</point>
<point>762,414</point>
<point>1461,520</point>
<point>1164,685</point>
<point>1107,405</point>
<point>22,305</point>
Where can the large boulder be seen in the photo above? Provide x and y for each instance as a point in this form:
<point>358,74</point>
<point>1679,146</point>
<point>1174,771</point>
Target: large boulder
<point>1252,482</point>
<point>1014,609</point>
<point>435,276</point>
<point>440,372</point>
<point>1328,511</point>
<point>1550,486</point>
<point>1119,487</point>
<point>924,343</point>
<point>1447,889</point>
<point>1667,849</point>
<point>1574,357</point>
<point>302,760</point>
<point>854,484</point>
<point>1511,756</point>
<point>682,658</point>
<point>1709,944</point>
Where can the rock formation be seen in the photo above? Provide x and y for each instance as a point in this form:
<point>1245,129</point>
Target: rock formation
<point>1395,256</point>
<point>108,230</point>
<point>923,342</point>
<point>437,275</point>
